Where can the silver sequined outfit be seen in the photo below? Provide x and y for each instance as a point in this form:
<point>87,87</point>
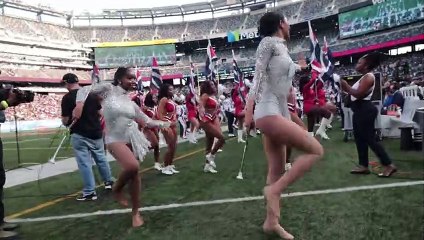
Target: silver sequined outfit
<point>120,114</point>
<point>274,72</point>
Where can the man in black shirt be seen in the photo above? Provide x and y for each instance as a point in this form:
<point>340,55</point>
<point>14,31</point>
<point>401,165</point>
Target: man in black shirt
<point>87,138</point>
<point>7,99</point>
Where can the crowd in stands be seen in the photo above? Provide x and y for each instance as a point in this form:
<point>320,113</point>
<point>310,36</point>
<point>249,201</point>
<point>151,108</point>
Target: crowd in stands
<point>40,72</point>
<point>43,107</point>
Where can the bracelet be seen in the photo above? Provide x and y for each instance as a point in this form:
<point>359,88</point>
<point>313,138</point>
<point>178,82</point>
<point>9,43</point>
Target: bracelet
<point>4,104</point>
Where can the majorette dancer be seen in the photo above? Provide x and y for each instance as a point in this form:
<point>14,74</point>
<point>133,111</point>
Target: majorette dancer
<point>273,79</point>
<point>167,111</point>
<point>209,122</point>
<point>152,133</point>
<point>124,141</point>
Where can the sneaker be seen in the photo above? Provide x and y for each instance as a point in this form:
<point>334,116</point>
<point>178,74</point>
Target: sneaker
<point>231,135</point>
<point>158,166</point>
<point>8,235</point>
<point>167,170</point>
<point>219,150</point>
<point>209,169</point>
<point>240,140</point>
<point>173,169</point>
<point>253,133</point>
<point>108,185</point>
<point>211,160</point>
<point>90,197</point>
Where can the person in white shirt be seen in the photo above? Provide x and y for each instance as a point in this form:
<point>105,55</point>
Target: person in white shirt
<point>228,107</point>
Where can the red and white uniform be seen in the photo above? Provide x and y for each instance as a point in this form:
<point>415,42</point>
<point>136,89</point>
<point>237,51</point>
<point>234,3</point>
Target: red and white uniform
<point>151,113</point>
<point>211,103</point>
<point>309,97</point>
<point>320,94</point>
<point>170,111</point>
<point>238,101</point>
<point>191,107</point>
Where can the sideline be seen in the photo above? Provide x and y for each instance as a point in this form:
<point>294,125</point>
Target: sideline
<point>220,201</point>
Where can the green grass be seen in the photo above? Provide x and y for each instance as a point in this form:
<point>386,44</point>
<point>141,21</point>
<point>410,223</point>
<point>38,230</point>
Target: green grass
<point>394,213</point>
<point>34,148</point>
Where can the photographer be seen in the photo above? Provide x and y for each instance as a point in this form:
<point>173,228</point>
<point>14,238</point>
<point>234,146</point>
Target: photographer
<point>8,98</point>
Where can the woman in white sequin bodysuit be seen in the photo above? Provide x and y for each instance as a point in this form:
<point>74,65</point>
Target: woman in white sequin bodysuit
<point>123,138</point>
<point>272,82</point>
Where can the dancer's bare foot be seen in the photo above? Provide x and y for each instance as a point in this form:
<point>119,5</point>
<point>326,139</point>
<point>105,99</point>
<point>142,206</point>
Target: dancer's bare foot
<point>120,198</point>
<point>137,220</point>
<point>272,201</point>
<point>277,229</point>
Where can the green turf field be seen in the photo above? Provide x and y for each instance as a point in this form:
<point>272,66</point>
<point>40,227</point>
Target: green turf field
<point>391,213</point>
<point>34,148</point>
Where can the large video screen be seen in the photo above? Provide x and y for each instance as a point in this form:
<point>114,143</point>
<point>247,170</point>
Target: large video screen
<point>112,57</point>
<point>388,14</point>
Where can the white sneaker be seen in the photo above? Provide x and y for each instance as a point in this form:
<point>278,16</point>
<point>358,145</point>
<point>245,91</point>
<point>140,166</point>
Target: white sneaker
<point>211,160</point>
<point>288,166</point>
<point>253,133</point>
<point>240,141</point>
<point>209,169</point>
<point>173,169</point>
<point>192,138</point>
<point>219,150</point>
<point>322,134</point>
<point>158,166</point>
<point>167,170</point>
<point>231,135</point>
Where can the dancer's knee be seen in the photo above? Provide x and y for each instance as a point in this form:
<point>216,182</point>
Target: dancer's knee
<point>132,168</point>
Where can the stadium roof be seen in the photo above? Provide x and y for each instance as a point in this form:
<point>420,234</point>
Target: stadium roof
<point>35,9</point>
<point>181,10</point>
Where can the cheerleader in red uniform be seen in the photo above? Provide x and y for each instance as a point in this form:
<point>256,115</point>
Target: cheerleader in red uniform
<point>152,134</point>
<point>311,105</point>
<point>167,111</point>
<point>328,107</point>
<point>192,114</point>
<point>238,94</point>
<point>209,122</point>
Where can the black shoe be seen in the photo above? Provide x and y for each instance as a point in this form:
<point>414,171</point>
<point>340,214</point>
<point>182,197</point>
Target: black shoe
<point>108,185</point>
<point>9,226</point>
<point>8,235</point>
<point>91,197</point>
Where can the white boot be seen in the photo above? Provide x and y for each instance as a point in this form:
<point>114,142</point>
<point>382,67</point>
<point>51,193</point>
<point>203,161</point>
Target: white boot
<point>240,136</point>
<point>321,130</point>
<point>192,137</point>
<point>211,159</point>
<point>329,121</point>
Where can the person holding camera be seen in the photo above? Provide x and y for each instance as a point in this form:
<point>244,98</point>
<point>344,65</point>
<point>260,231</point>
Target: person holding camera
<point>8,98</point>
<point>86,138</point>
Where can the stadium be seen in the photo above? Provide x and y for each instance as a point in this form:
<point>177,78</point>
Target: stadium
<point>180,41</point>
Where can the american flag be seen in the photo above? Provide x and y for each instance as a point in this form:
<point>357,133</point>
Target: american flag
<point>239,79</point>
<point>95,74</point>
<point>156,80</point>
<point>191,84</point>
<point>329,66</point>
<point>318,68</point>
<point>210,68</point>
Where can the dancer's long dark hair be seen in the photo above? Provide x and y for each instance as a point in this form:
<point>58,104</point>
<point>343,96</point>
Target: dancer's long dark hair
<point>119,74</point>
<point>164,91</point>
<point>269,23</point>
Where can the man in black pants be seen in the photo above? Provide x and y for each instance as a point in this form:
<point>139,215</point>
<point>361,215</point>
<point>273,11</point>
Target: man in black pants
<point>7,99</point>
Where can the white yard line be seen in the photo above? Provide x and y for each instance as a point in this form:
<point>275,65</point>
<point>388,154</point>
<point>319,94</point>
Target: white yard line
<point>221,201</point>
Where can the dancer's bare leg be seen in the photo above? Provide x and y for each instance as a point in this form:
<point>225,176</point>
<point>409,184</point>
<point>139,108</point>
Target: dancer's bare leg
<point>280,130</point>
<point>130,167</point>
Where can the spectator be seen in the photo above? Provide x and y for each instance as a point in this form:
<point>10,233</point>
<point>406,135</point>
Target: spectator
<point>86,137</point>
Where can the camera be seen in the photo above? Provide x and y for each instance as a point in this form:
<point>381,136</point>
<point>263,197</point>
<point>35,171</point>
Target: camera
<point>23,96</point>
